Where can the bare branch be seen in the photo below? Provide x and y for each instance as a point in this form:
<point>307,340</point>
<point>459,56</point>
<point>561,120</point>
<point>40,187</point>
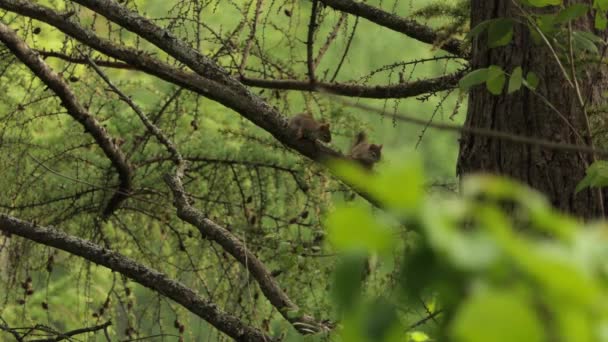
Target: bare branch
<point>394,22</point>
<point>401,90</point>
<point>519,139</point>
<point>312,25</point>
<point>254,25</point>
<point>330,39</point>
<point>139,273</point>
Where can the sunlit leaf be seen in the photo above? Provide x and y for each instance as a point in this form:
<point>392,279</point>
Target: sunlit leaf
<point>418,336</point>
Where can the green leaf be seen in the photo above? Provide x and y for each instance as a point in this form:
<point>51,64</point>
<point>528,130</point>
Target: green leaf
<point>496,79</point>
<point>546,23</point>
<point>571,12</point>
<point>347,280</point>
<point>515,80</point>
<point>401,187</point>
<point>590,36</point>
<point>500,32</point>
<point>600,20</point>
<point>582,42</point>
<point>596,176</point>
<point>478,29</point>
<point>536,37</point>
<point>497,316</point>
<point>473,78</point>
<point>353,228</point>
<point>544,3</point>
<point>601,5</point>
<point>531,80</point>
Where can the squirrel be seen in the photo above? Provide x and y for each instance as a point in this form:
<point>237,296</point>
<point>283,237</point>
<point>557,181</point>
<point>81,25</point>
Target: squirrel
<point>365,153</point>
<point>306,127</point>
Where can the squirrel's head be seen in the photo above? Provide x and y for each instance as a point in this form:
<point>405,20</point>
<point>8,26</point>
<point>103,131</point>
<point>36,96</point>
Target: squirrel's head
<point>324,132</point>
<point>375,151</point>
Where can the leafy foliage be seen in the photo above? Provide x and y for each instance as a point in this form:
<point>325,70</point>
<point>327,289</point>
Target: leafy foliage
<point>504,264</point>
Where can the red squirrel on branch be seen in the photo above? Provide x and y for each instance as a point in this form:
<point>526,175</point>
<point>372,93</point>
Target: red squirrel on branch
<point>306,127</point>
<point>365,153</point>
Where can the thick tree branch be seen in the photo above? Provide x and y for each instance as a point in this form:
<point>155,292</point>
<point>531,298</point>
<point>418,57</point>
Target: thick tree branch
<point>394,22</point>
<point>68,99</point>
<point>166,41</point>
<point>141,274</point>
<point>242,101</point>
<point>251,107</point>
<point>401,90</point>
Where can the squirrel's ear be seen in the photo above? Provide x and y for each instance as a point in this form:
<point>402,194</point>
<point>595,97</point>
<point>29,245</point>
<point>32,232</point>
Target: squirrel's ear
<point>324,125</point>
<point>380,147</point>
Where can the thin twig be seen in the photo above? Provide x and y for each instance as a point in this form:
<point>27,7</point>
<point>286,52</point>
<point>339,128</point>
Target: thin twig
<point>149,125</point>
<point>425,319</point>
<point>346,49</point>
<point>258,10</point>
<point>69,334</point>
<point>332,36</point>
<point>309,43</point>
<point>482,131</point>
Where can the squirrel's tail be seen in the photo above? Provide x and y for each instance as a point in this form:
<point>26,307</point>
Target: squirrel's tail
<point>361,137</point>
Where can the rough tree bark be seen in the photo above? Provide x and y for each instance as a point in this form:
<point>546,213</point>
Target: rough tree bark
<point>555,173</point>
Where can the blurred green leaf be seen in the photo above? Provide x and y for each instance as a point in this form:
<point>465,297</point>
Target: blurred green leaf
<point>418,336</point>
<point>353,228</point>
<point>347,280</point>
<point>497,316</point>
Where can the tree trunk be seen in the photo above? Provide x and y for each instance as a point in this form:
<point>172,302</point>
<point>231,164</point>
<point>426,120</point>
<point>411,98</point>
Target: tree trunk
<point>555,173</point>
